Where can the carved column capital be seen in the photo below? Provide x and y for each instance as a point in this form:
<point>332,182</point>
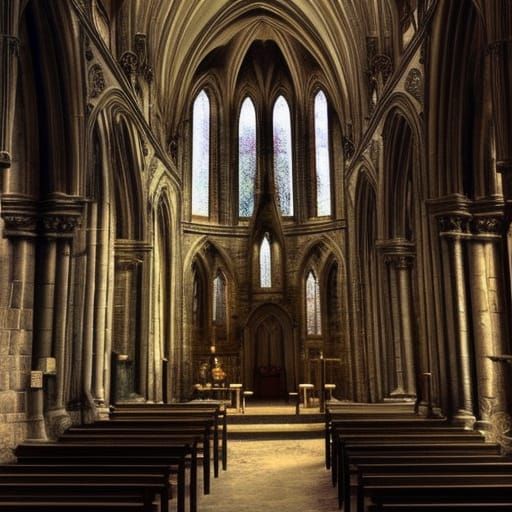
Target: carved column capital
<point>19,213</point>
<point>454,224</point>
<point>400,261</point>
<point>60,215</point>
<point>487,225</point>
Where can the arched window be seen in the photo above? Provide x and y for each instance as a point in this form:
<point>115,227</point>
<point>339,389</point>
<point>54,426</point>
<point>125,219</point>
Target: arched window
<point>265,263</point>
<point>246,158</point>
<point>201,155</point>
<point>313,321</point>
<point>323,171</point>
<point>282,143</point>
<point>219,299</point>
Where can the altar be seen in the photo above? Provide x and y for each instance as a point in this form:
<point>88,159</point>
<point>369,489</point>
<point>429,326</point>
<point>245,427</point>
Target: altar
<point>231,394</point>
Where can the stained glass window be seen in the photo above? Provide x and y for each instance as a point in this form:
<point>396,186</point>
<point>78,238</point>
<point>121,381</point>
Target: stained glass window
<point>246,158</point>
<point>265,263</point>
<point>313,321</point>
<point>282,142</point>
<point>323,172</point>
<point>219,299</point>
<point>201,155</point>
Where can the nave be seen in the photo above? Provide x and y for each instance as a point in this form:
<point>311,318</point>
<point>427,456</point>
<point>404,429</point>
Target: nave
<point>273,476</point>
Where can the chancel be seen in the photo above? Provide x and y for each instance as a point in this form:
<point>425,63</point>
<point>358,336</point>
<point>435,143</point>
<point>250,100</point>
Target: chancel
<point>280,222</point>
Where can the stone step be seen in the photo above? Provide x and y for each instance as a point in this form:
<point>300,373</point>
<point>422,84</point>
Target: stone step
<point>262,431</point>
<point>259,419</point>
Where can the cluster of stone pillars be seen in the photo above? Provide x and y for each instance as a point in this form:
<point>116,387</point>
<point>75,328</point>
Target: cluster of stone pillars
<point>398,256</point>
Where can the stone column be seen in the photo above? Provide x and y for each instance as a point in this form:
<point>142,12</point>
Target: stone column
<point>403,265</point>
<point>9,51</point>
<point>399,389</point>
<point>60,216</point>
<point>489,314</point>
<point>453,231</point>
<point>399,257</point>
<point>19,213</point>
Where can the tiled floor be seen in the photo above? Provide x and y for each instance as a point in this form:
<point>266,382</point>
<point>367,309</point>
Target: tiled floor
<point>273,476</point>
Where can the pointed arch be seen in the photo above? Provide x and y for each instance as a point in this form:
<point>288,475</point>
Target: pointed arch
<point>265,262</point>
<point>247,157</point>
<point>313,316</point>
<point>282,152</point>
<point>322,155</point>
<point>201,154</point>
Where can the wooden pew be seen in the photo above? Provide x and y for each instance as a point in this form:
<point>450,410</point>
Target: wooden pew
<point>482,493</point>
<point>175,412</point>
<point>441,507</point>
<point>98,431</point>
<point>397,434</point>
<point>220,415</point>
<point>416,449</point>
<point>173,455</point>
<point>335,418</point>
<point>75,505</point>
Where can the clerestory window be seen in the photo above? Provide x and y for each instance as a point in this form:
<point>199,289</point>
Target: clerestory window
<point>313,320</point>
<point>246,158</point>
<point>265,263</point>
<point>282,144</point>
<point>201,155</point>
<point>322,159</point>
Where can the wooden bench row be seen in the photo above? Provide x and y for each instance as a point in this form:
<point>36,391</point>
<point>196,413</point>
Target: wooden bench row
<point>403,463</point>
<point>133,459</point>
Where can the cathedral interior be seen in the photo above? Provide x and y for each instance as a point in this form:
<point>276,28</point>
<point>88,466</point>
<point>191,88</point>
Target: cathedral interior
<point>272,185</point>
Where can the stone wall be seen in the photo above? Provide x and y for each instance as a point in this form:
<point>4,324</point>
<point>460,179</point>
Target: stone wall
<point>16,300</point>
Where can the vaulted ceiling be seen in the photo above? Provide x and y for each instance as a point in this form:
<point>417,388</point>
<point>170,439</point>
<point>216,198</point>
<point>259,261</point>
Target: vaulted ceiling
<point>332,33</point>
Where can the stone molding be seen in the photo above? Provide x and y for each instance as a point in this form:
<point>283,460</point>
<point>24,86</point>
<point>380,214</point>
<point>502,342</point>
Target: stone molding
<point>60,215</point>
<point>414,84</point>
<point>19,213</point>
<point>97,82</point>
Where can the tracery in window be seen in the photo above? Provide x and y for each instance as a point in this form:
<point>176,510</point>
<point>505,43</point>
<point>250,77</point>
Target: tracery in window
<point>282,144</point>
<point>265,263</point>
<point>219,299</point>
<point>246,158</point>
<point>313,321</point>
<point>323,171</point>
<point>201,155</point>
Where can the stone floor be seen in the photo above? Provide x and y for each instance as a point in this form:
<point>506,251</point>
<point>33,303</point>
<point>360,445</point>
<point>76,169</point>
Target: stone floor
<point>273,476</point>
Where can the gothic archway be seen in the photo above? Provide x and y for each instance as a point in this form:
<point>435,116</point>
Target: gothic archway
<point>269,353</point>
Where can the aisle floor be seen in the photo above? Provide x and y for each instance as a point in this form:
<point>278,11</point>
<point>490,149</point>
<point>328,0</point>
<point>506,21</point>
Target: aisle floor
<point>273,476</point>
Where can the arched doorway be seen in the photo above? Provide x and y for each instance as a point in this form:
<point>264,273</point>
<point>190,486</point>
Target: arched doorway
<point>269,353</point>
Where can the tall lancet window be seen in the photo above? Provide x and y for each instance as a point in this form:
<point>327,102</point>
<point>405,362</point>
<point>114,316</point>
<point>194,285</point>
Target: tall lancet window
<point>265,263</point>
<point>201,155</point>
<point>313,320</point>
<point>282,139</point>
<point>246,158</point>
<point>323,169</point>
<point>219,299</point>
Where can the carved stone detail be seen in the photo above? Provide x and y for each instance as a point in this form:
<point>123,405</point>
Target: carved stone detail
<point>61,224</point>
<point>96,81</point>
<point>454,223</point>
<point>20,216</point>
<point>399,261</point>
<point>129,63</point>
<point>141,49</point>
<point>374,148</point>
<point>348,147</point>
<point>60,215</point>
<point>382,64</point>
<point>487,225</point>
<point>414,84</point>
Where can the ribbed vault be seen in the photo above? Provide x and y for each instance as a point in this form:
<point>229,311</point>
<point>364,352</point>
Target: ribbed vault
<point>182,34</point>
